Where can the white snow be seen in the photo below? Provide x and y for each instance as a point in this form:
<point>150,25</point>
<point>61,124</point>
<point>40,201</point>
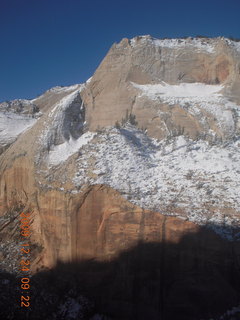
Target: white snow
<point>200,44</point>
<point>62,152</point>
<point>182,90</point>
<point>23,101</point>
<point>54,122</point>
<point>12,124</point>
<point>234,44</point>
<point>88,80</point>
<point>196,43</point>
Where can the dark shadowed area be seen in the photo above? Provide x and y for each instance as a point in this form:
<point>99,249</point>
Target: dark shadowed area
<point>184,281</point>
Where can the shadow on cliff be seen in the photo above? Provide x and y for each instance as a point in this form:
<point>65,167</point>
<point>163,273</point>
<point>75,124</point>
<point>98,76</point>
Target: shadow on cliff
<point>197,278</point>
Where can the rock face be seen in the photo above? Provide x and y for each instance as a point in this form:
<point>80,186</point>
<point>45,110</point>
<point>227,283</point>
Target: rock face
<point>146,61</point>
<point>136,169</point>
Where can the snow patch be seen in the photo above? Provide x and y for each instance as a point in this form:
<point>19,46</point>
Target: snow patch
<point>182,90</point>
<point>62,152</point>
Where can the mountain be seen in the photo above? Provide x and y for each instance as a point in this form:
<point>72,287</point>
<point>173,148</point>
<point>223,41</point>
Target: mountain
<point>143,155</point>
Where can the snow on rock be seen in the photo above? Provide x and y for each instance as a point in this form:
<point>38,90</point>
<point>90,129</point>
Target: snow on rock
<point>59,90</point>
<point>63,88</point>
<point>176,175</point>
<point>64,103</point>
<point>194,98</point>
<point>12,124</point>
<point>182,90</point>
<point>62,152</point>
<point>196,43</point>
<point>89,80</point>
<point>64,122</point>
<point>236,45</point>
<point>206,45</point>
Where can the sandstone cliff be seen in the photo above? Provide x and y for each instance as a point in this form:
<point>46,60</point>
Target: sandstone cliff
<point>148,61</point>
<point>146,151</point>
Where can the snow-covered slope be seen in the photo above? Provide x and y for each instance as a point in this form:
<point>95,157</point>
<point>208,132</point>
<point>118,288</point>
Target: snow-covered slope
<point>192,178</point>
<point>63,122</point>
<point>11,125</point>
<point>15,117</point>
<point>63,151</point>
<point>195,180</point>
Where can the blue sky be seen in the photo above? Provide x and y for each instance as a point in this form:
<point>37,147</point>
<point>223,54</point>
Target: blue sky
<point>45,43</point>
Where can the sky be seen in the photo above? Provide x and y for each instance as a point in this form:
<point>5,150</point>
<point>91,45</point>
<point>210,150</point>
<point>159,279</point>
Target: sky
<point>46,43</point>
